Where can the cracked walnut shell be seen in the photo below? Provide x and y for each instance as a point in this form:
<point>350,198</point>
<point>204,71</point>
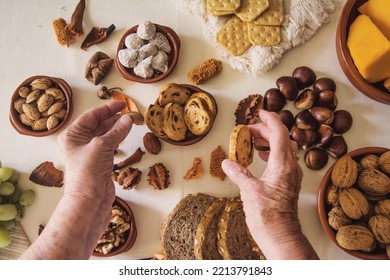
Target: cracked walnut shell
<point>158,176</point>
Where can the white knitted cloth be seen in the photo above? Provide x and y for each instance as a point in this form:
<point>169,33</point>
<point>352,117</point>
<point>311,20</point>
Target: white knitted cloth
<point>301,23</point>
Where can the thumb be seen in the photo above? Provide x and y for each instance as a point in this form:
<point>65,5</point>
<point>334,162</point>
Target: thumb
<point>118,131</point>
<point>236,172</point>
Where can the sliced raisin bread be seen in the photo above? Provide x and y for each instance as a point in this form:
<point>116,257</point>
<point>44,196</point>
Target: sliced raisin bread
<point>173,93</point>
<point>206,242</point>
<point>234,243</point>
<point>179,229</point>
<point>211,105</point>
<point>197,116</point>
<point>154,118</point>
<point>174,125</point>
<point>241,145</point>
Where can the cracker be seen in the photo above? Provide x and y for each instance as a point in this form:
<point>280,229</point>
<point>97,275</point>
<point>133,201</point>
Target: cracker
<point>234,37</point>
<point>251,9</point>
<point>222,7</point>
<point>263,35</point>
<point>274,15</point>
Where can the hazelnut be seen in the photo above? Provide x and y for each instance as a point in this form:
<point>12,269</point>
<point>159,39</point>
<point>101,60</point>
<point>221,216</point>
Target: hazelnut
<point>342,121</point>
<point>287,118</point>
<point>305,120</point>
<point>327,99</point>
<point>323,84</point>
<point>305,138</point>
<point>325,134</point>
<point>337,147</point>
<point>288,86</point>
<point>305,99</point>
<point>274,100</point>
<point>305,76</point>
<point>322,115</point>
<point>316,158</point>
<point>103,93</point>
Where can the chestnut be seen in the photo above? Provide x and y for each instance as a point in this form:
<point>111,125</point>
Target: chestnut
<point>337,147</point>
<point>305,138</point>
<point>325,134</point>
<point>342,121</point>
<point>322,115</point>
<point>305,76</point>
<point>316,158</point>
<point>305,99</point>
<point>288,86</point>
<point>323,84</point>
<point>287,118</point>
<point>327,99</point>
<point>274,100</point>
<point>305,120</point>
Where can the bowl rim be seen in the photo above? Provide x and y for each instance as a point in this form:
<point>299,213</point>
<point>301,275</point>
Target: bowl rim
<point>321,204</point>
<point>128,244</point>
<point>192,139</point>
<point>173,39</point>
<point>14,115</point>
<point>346,61</point>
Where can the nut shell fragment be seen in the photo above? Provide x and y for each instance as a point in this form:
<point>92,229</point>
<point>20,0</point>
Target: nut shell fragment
<point>158,176</point>
<point>46,174</point>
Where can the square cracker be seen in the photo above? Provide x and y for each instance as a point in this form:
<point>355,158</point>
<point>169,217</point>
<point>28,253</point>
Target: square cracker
<point>234,36</point>
<point>264,35</point>
<point>274,15</point>
<point>222,7</point>
<point>251,9</point>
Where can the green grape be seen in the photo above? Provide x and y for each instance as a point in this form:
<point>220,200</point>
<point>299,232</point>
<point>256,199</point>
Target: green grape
<point>27,198</point>
<point>14,198</point>
<point>5,238</point>
<point>8,225</point>
<point>14,177</point>
<point>8,212</point>
<point>5,173</point>
<point>7,188</point>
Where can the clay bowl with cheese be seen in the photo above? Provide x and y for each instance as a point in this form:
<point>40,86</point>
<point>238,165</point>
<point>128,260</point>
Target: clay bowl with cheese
<point>323,206</point>
<point>129,236</point>
<point>66,99</point>
<point>375,91</point>
<point>173,56</point>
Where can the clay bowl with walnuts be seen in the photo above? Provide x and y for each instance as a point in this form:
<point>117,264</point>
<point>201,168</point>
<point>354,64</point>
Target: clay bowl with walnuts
<point>57,83</point>
<point>173,57</point>
<point>323,208</point>
<point>129,237</point>
<point>375,91</point>
<point>190,138</point>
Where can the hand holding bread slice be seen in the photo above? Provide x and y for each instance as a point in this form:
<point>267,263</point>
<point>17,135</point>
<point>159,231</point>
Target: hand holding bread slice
<point>241,145</point>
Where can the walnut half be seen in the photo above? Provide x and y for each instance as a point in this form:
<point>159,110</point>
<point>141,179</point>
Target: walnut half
<point>158,176</point>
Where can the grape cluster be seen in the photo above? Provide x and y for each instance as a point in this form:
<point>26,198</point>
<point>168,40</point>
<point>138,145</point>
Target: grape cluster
<point>12,203</point>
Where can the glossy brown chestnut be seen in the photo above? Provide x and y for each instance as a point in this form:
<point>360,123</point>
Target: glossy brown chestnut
<point>342,121</point>
<point>305,76</point>
<point>305,120</point>
<point>322,115</point>
<point>288,86</point>
<point>337,147</point>
<point>327,99</point>
<point>274,100</point>
<point>305,138</point>
<point>316,158</point>
<point>305,99</point>
<point>323,84</point>
<point>325,134</point>
<point>287,118</point>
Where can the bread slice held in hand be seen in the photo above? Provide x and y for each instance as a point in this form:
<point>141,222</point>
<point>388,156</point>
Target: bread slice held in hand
<point>197,116</point>
<point>241,145</point>
<point>179,229</point>
<point>154,119</point>
<point>174,125</point>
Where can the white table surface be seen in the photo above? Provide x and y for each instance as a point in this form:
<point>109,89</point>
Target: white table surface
<point>28,47</point>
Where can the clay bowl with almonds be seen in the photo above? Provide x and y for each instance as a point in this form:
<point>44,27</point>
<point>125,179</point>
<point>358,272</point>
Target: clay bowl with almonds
<point>324,207</point>
<point>375,91</point>
<point>173,56</point>
<point>127,238</point>
<point>190,138</point>
<point>41,106</point>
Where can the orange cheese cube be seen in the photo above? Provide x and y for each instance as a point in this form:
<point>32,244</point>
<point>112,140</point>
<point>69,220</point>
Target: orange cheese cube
<point>379,12</point>
<point>369,49</point>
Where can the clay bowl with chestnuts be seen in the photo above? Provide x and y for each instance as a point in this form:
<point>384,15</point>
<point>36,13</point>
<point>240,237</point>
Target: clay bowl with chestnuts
<point>173,56</point>
<point>127,238</point>
<point>375,91</point>
<point>41,106</point>
<point>347,211</point>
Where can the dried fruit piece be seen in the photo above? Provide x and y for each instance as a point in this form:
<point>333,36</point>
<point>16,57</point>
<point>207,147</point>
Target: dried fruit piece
<point>195,171</point>
<point>134,158</point>
<point>158,176</point>
<point>130,104</point>
<point>46,174</point>
<point>136,117</point>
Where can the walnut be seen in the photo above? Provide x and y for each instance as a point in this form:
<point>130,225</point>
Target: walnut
<point>384,162</point>
<point>380,226</point>
<point>369,161</point>
<point>353,203</point>
<point>337,218</point>
<point>345,172</point>
<point>356,237</point>
<point>129,177</point>
<point>158,176</point>
<point>383,208</point>
<point>248,109</point>
<point>332,196</point>
<point>374,182</point>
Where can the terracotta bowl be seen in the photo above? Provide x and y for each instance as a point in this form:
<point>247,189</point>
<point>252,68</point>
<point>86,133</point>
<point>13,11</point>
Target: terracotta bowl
<point>375,91</point>
<point>131,235</point>
<point>173,57</point>
<point>190,138</point>
<point>26,130</point>
<point>323,208</point>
